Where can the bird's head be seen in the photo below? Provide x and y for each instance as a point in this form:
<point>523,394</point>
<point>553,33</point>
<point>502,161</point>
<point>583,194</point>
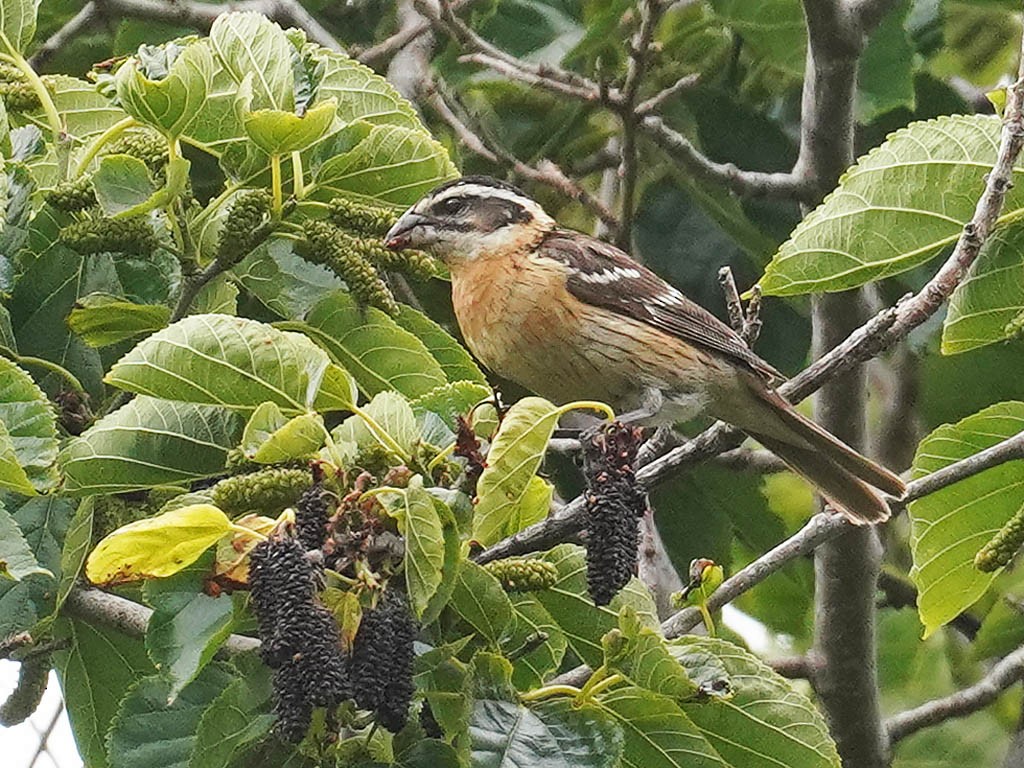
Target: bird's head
<point>469,218</point>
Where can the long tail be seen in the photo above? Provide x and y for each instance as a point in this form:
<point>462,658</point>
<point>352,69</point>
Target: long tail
<point>850,481</point>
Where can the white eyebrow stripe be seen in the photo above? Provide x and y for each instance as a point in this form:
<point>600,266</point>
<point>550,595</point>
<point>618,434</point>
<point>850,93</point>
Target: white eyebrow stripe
<point>481,190</point>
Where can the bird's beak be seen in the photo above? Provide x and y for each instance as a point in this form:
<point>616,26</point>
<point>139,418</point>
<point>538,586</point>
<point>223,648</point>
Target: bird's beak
<point>412,230</point>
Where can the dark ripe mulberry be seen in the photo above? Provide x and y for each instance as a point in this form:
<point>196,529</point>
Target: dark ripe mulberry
<point>327,245</point>
<point>247,225</point>
<point>72,196</point>
<point>614,506</point>
<point>311,514</point>
<point>299,637</point>
<point>429,723</point>
<point>382,661</point>
<point>523,574</point>
<point>999,551</point>
<point>267,491</point>
<point>133,235</point>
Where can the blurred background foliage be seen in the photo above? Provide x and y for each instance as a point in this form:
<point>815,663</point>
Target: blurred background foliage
<point>928,58</point>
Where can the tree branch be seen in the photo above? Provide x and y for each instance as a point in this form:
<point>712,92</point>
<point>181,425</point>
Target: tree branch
<point>76,25</point>
<point>201,16</point>
<point>131,618</point>
<point>1003,674</point>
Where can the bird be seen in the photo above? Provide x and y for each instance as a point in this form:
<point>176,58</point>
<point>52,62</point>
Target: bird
<point>571,317</point>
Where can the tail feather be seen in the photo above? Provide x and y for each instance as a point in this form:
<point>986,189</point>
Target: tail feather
<point>836,451</point>
<point>861,503</point>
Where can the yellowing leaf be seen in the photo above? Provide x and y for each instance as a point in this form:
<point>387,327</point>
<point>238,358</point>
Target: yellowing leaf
<point>158,546</point>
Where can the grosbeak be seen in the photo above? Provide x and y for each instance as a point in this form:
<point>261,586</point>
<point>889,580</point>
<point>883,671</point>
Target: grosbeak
<point>573,318</point>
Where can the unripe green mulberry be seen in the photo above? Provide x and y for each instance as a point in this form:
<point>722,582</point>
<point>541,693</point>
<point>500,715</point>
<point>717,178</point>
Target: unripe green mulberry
<point>411,262</point>
<point>267,491</point>
<point>72,196</point>
<point>361,217</point>
<point>1003,546</point>
<point>328,245</point>
<point>19,97</point>
<point>146,145</point>
<point>523,574</point>
<point>133,235</point>
<point>247,224</point>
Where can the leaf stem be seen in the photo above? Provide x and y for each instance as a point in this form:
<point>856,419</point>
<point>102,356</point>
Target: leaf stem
<point>109,135</point>
<point>241,529</point>
<point>589,405</point>
<point>442,456</point>
<point>381,435</point>
<point>550,690</point>
<point>47,365</point>
<point>298,183</point>
<point>275,183</point>
<point>45,99</point>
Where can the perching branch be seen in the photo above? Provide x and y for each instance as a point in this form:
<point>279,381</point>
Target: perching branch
<point>75,26</point>
<point>1003,674</point>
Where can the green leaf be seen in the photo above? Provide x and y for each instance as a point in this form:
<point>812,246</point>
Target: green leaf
<point>279,133</point>
<point>376,350</point>
<point>77,542</point>
<point>172,103</point>
<point>774,29</point>
<point>551,735</point>
<point>948,527</point>
<point>94,673</point>
<point>16,558</point>
<point>641,656</point>
<point>530,670</point>
<point>479,599</point>
<point>455,361</point>
<point>84,111</point>
<point>583,623</point>
<point>885,79</point>
<point>657,733</point>
<point>388,410</point>
<point>897,207</point>
<point>149,443</point>
<point>392,164</point>
<point>236,718</point>
<point>444,683</point>
<point>1002,631</point>
<point>282,281</point>
<point>44,522</point>
<point>418,521</point>
<point>250,44</point>
<point>272,438</point>
<point>187,626</point>
<point>766,722</point>
<point>12,475</point>
<point>362,94</point>
<point>984,306</point>
<point>122,183</point>
<point>451,400</point>
<point>30,430</point>
<point>449,566</point>
<point>233,362</point>
<point>150,733</point>
<point>156,546</point>
<point>18,22</point>
<point>102,320</point>
<point>513,460</point>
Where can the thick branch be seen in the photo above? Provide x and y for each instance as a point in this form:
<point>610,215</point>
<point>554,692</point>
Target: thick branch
<point>1003,674</point>
<point>129,617</point>
<point>75,26</point>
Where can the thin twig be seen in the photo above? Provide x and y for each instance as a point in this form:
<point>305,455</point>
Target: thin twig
<point>683,84</point>
<point>47,732</point>
<point>1003,674</point>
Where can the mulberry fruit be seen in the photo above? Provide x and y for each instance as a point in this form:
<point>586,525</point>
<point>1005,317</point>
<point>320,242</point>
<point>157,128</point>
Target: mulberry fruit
<point>267,491</point>
<point>382,661</point>
<point>523,574</point>
<point>72,196</point>
<point>614,505</point>
<point>360,217</point>
<point>145,145</point>
<point>133,235</point>
<point>326,244</point>
<point>300,639</point>
<point>248,224</point>
<point>999,551</point>
<point>311,514</point>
